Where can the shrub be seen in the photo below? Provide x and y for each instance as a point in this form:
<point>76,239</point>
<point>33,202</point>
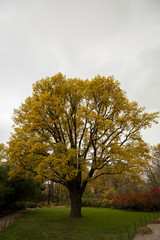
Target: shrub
<point>19,206</point>
<point>138,201</point>
<point>15,192</point>
<point>31,205</point>
<point>95,202</point>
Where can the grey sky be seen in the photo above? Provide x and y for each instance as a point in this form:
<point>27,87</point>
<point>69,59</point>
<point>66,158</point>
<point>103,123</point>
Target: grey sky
<point>40,38</point>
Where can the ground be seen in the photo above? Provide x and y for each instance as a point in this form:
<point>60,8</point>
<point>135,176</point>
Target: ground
<point>153,236</point>
<point>155,228</point>
<point>9,218</point>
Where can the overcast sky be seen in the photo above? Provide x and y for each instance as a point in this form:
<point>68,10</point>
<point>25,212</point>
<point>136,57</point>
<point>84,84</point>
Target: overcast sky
<point>80,38</point>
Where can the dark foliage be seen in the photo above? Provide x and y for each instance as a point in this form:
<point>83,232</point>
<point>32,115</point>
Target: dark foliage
<point>16,190</point>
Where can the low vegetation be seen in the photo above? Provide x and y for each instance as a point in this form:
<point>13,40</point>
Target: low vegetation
<point>54,223</point>
<point>16,193</point>
<point>139,201</point>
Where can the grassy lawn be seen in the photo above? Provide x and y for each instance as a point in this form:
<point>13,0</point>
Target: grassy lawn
<point>54,224</point>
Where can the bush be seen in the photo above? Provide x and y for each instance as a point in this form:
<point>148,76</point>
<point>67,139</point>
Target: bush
<point>31,205</point>
<point>23,205</point>
<point>95,202</point>
<point>138,201</point>
<point>16,192</point>
<point>19,206</point>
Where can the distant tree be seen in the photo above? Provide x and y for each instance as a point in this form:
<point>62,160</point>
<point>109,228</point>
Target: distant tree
<point>153,169</point>
<point>56,193</point>
<point>108,186</point>
<point>71,131</point>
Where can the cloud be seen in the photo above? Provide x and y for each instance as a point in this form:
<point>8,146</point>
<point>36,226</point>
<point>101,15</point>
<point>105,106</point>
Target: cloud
<point>80,39</point>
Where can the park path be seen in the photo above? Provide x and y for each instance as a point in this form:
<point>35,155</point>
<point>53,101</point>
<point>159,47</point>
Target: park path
<point>9,218</point>
<point>155,235</point>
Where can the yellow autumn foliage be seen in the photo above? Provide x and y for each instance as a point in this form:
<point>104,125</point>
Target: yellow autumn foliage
<point>69,127</point>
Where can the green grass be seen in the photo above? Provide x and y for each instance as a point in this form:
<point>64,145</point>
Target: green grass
<point>54,224</point>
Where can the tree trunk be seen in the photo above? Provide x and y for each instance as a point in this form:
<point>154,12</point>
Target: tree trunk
<point>75,193</point>
<point>75,206</point>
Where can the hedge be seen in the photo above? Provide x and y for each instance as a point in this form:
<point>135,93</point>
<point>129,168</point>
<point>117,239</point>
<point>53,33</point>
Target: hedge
<point>143,201</point>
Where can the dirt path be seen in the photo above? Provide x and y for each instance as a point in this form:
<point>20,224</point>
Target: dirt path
<point>154,235</point>
<point>8,219</point>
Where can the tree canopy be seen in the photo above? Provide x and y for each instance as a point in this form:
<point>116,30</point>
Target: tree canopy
<point>71,131</point>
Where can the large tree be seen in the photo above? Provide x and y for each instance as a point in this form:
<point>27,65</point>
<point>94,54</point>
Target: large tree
<point>71,131</point>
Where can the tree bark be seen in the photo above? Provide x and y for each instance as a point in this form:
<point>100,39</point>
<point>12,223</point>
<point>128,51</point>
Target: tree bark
<point>75,193</point>
<point>75,206</point>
